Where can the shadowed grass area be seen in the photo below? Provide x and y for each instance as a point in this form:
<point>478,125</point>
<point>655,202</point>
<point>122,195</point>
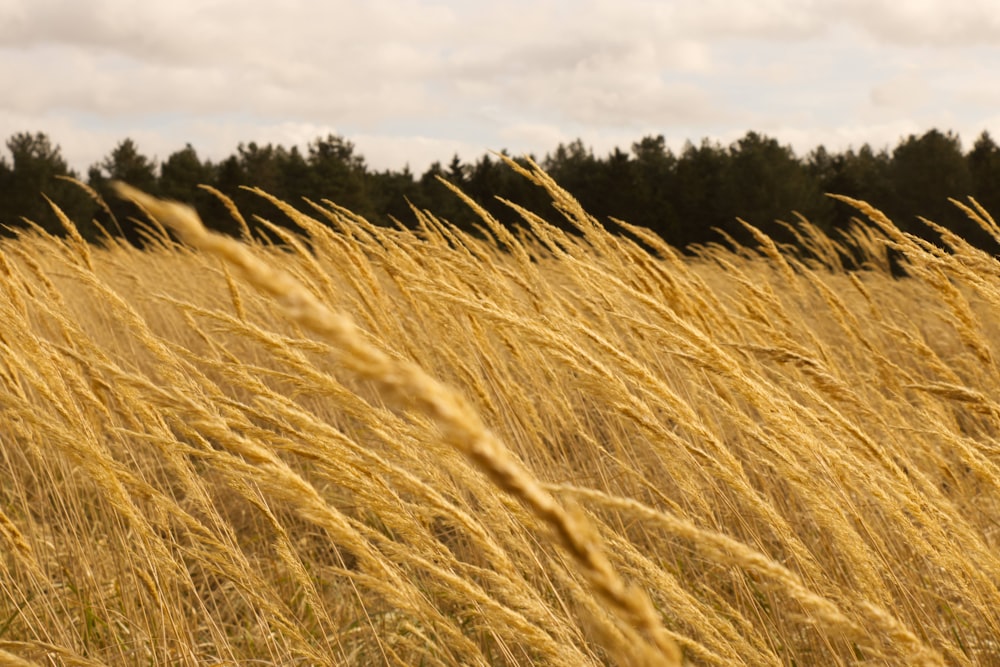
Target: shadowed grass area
<point>381,446</point>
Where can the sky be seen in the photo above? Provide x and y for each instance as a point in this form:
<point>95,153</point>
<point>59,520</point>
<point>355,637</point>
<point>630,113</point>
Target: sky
<point>414,81</point>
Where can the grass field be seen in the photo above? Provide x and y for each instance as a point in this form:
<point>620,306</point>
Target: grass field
<point>376,446</point>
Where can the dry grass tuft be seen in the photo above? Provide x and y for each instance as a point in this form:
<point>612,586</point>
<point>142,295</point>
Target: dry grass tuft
<point>381,446</point>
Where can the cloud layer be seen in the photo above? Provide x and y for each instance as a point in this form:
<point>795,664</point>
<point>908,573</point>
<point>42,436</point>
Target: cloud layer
<point>411,81</point>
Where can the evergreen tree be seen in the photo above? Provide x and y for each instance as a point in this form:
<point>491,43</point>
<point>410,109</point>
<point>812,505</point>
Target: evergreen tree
<point>616,189</point>
<point>392,193</point>
<point>183,172</point>
<point>984,167</point>
<point>652,187</point>
<point>261,167</point>
<point>440,201</point>
<point>36,163</point>
<point>575,168</point>
<point>271,168</point>
<point>864,175</point>
<point>925,172</point>
<point>337,173</point>
<point>125,163</point>
<point>764,182</point>
<point>699,176</point>
<point>458,173</point>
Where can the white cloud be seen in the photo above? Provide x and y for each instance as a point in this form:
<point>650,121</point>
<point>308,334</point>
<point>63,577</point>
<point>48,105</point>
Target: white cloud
<point>782,20</point>
<point>905,91</point>
<point>405,78</point>
<point>923,22</point>
<point>519,135</point>
<point>417,152</point>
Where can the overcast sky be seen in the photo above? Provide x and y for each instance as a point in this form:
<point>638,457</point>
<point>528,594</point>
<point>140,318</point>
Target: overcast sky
<point>412,81</point>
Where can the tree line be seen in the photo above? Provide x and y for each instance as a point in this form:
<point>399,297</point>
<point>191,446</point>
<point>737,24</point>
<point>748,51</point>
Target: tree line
<point>685,197</point>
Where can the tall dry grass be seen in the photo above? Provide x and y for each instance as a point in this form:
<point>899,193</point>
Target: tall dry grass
<point>385,446</point>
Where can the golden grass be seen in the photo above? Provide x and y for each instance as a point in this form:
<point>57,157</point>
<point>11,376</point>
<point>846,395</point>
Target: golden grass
<point>380,446</point>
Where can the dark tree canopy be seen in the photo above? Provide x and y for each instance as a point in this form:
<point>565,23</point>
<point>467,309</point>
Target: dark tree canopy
<point>925,171</point>
<point>36,168</point>
<point>125,163</point>
<point>683,197</point>
<point>763,181</point>
<point>984,168</point>
<point>183,171</point>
